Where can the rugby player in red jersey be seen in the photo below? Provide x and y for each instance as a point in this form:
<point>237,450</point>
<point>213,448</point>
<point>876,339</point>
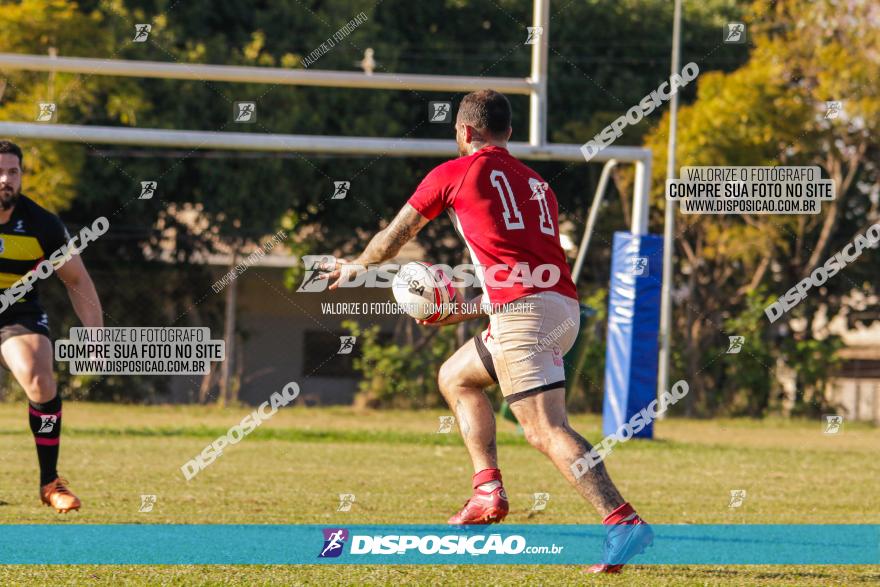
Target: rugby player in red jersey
<point>508,217</point>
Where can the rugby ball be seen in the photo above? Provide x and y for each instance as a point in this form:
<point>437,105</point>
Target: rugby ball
<point>423,291</point>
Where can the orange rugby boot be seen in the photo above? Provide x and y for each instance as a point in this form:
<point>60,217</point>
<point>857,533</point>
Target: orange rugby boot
<point>57,495</point>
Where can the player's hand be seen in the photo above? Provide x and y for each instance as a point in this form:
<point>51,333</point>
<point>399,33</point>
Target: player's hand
<point>453,318</point>
<point>461,313</point>
<point>340,272</point>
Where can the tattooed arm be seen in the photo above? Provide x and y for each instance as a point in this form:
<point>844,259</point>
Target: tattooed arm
<point>388,242</point>
<point>382,247</point>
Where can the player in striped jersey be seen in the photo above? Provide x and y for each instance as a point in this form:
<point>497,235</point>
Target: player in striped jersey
<point>28,235</point>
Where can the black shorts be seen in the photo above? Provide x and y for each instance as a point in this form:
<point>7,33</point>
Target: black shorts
<point>23,323</point>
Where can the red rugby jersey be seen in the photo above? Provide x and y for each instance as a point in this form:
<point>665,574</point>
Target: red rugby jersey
<point>507,216</point>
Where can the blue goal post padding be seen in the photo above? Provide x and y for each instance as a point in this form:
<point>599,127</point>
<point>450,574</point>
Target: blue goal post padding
<point>633,326</point>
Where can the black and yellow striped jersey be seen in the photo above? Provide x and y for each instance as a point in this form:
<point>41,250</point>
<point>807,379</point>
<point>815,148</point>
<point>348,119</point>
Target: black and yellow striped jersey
<point>31,235</point>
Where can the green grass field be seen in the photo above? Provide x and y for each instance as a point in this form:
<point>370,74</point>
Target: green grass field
<point>292,469</point>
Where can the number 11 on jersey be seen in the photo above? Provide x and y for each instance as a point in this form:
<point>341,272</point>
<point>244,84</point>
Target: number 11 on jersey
<point>513,218</point>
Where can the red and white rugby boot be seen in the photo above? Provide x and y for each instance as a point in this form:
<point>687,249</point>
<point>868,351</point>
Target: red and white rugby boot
<point>488,505</point>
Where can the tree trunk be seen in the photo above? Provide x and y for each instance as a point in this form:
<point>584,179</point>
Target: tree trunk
<point>695,349</point>
<point>786,377</point>
<point>692,342</point>
<point>229,335</point>
<point>207,383</point>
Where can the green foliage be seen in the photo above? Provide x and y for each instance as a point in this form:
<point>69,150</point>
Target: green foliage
<point>814,360</point>
<point>37,27</point>
<point>771,111</point>
<point>396,374</point>
<point>750,386</point>
<point>585,362</point>
<point>748,374</point>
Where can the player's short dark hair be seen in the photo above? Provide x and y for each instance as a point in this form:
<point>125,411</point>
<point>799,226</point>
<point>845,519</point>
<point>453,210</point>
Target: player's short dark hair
<point>487,111</point>
<point>10,147</point>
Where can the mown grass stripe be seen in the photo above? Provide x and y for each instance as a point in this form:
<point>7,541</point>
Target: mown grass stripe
<point>285,434</point>
<point>310,435</point>
<point>375,437</point>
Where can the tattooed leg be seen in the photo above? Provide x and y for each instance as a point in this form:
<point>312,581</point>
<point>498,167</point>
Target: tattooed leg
<point>546,427</point>
<point>462,379</point>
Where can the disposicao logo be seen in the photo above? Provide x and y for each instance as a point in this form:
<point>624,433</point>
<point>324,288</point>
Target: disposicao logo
<point>334,540</point>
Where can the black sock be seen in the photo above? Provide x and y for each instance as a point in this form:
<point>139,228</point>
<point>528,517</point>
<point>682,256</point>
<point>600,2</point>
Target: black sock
<point>45,421</point>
